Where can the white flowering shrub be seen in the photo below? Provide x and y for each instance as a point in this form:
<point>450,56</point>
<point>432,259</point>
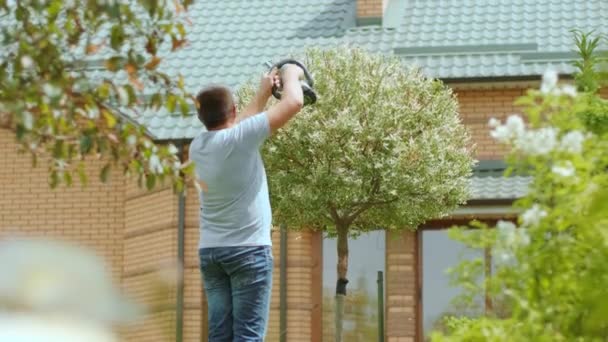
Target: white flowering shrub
<point>550,266</point>
<point>383,148</point>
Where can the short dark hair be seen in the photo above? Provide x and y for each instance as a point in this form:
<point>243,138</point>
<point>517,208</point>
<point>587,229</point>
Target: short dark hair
<point>214,105</point>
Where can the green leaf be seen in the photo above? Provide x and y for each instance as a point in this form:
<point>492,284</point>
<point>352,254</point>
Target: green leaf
<point>181,29</point>
<point>103,90</point>
<point>86,142</point>
<point>58,150</point>
<point>178,185</point>
<point>110,118</point>
<point>105,173</point>
<point>184,107</point>
<point>151,45</point>
<point>54,179</point>
<point>117,37</point>
<point>67,178</point>
<point>20,131</point>
<point>131,92</point>
<point>82,174</point>
<point>150,181</point>
<point>54,8</point>
<point>115,63</point>
<point>171,102</point>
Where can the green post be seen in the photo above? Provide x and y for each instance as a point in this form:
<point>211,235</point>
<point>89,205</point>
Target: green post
<point>380,307</point>
<point>283,286</point>
<point>181,227</point>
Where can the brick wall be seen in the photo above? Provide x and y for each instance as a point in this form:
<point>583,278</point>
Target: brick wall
<point>371,8</point>
<point>401,306</point>
<point>150,244</point>
<point>91,216</point>
<point>195,313</point>
<point>476,109</point>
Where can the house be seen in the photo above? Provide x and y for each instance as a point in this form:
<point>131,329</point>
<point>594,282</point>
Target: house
<point>488,51</point>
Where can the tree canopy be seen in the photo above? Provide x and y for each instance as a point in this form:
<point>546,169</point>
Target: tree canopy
<point>73,74</point>
<point>384,147</point>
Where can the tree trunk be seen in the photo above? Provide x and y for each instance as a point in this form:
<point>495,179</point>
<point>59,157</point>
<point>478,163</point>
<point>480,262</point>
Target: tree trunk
<point>342,281</point>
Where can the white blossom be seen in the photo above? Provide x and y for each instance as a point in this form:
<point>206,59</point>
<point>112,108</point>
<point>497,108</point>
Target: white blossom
<point>155,164</point>
<point>549,81</point>
<point>50,90</point>
<point>503,256</point>
<point>21,327</point>
<point>27,62</point>
<point>512,129</point>
<point>45,277</point>
<point>61,164</point>
<point>28,120</point>
<point>533,216</point>
<point>501,134</point>
<point>93,112</point>
<point>123,96</point>
<point>147,144</point>
<point>538,142</point>
<point>516,125</point>
<point>568,89</point>
<point>131,140</point>
<point>172,149</point>
<point>506,227</point>
<point>572,142</point>
<point>566,169</point>
<point>494,122</point>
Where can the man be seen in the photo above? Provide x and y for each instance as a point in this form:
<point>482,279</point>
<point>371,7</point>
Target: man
<point>235,217</point>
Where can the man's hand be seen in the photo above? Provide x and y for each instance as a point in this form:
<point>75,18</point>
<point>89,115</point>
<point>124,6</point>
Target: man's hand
<point>268,81</point>
<point>292,98</point>
<point>264,92</point>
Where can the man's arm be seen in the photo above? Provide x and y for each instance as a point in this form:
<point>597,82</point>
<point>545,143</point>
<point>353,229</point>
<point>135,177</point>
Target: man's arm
<point>258,103</point>
<point>292,98</point>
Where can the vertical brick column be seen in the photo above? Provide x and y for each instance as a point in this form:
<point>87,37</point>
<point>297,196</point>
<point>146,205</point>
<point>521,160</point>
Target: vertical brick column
<point>304,267</point>
<point>401,287</point>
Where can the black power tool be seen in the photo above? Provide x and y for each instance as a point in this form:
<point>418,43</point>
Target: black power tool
<point>307,82</point>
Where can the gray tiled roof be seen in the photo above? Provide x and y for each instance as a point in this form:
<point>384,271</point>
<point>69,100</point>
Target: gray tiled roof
<point>229,40</point>
<point>498,187</point>
<point>449,39</point>
<point>489,38</point>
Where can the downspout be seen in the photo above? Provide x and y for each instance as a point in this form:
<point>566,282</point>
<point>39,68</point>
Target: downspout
<point>283,286</point>
<point>181,225</point>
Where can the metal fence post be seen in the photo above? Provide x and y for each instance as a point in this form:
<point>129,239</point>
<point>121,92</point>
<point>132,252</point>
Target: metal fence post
<point>380,307</point>
<point>283,286</point>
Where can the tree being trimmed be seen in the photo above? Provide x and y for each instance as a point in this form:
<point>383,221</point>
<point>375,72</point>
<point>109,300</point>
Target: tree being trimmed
<point>383,148</point>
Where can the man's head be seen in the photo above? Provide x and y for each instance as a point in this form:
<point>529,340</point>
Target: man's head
<point>216,107</point>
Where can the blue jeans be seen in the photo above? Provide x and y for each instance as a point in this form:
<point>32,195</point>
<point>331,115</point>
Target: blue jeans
<point>237,282</point>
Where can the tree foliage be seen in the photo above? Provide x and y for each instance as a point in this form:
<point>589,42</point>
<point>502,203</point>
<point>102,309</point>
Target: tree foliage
<point>551,266</point>
<point>73,74</point>
<point>382,148</point>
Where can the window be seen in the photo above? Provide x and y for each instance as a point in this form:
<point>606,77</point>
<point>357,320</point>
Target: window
<point>439,253</point>
<point>366,258</point>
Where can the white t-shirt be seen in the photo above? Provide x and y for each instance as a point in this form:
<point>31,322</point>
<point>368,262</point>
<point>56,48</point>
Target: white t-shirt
<point>235,207</point>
